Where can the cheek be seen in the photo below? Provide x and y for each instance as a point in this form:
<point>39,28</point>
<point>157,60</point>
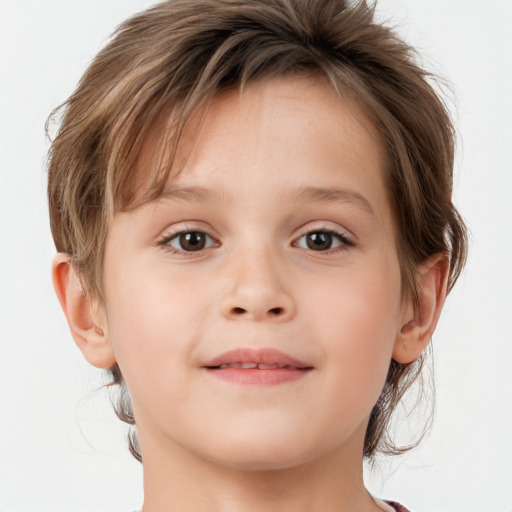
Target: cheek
<point>356,324</point>
<point>152,323</point>
<point>360,304</point>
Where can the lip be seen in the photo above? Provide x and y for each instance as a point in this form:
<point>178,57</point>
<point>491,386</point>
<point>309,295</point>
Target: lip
<point>288,368</point>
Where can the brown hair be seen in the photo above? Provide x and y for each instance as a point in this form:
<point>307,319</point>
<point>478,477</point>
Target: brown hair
<point>177,56</point>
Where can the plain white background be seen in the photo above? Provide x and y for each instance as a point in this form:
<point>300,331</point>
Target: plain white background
<point>61,447</point>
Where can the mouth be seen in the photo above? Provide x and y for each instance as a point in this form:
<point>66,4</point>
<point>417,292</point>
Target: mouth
<point>257,366</point>
<point>253,366</point>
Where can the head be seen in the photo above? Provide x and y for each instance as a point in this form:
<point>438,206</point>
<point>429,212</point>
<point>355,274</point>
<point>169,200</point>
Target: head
<point>130,129</point>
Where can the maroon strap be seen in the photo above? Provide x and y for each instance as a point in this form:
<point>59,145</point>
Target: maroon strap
<point>397,506</point>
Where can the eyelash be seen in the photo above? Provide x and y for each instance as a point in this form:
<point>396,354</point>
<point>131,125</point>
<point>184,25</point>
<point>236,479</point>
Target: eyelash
<point>344,239</point>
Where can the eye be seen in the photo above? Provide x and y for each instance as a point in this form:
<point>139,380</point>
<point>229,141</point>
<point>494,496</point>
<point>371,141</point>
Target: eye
<point>189,241</point>
<point>322,240</point>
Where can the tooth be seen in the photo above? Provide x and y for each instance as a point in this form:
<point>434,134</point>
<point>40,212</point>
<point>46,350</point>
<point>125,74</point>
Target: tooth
<point>248,365</point>
<point>267,366</point>
<point>222,366</point>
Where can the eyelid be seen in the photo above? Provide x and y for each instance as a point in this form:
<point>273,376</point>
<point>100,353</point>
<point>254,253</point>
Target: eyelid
<point>185,227</point>
<point>328,228</point>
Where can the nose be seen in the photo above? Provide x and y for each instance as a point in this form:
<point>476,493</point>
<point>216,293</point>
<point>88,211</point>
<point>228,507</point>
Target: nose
<point>256,290</point>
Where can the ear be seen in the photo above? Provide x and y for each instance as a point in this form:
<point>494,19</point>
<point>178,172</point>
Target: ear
<point>85,317</point>
<point>420,319</point>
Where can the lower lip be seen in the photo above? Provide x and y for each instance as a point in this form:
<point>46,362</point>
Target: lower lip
<point>250,376</point>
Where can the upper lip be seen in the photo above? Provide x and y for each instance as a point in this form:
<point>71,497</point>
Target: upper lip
<point>266,356</point>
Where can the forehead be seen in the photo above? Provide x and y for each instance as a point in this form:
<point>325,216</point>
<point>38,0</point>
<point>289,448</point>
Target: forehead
<point>282,130</point>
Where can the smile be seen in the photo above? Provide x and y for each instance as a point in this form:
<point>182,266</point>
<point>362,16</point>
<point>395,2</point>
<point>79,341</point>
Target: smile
<point>266,366</point>
<point>249,366</point>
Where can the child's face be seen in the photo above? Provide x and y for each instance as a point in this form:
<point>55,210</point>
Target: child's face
<point>271,171</point>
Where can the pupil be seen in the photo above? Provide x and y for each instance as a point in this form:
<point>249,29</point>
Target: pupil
<point>192,241</point>
<point>319,241</point>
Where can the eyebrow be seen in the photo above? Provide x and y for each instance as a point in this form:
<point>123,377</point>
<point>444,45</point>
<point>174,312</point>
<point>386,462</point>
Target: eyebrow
<point>199,194</point>
<point>332,195</point>
<point>302,195</point>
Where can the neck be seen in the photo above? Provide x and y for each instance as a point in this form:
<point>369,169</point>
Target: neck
<point>176,480</point>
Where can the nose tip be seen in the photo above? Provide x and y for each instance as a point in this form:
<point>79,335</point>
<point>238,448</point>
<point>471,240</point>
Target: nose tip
<point>256,286</point>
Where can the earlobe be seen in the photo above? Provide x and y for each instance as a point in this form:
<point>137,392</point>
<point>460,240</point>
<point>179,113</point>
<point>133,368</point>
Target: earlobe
<point>421,318</point>
<point>85,319</point>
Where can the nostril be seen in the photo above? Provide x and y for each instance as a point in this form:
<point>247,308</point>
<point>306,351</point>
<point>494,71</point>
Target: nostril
<point>273,312</point>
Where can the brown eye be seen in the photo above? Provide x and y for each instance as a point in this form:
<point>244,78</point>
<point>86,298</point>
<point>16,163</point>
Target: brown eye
<point>323,240</point>
<point>319,240</point>
<point>190,241</point>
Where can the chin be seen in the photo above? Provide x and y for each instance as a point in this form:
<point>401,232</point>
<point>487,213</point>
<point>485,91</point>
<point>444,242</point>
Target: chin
<point>273,453</point>
<point>263,461</point>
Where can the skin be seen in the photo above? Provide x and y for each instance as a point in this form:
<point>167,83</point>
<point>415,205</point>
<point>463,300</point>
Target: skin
<point>210,444</point>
